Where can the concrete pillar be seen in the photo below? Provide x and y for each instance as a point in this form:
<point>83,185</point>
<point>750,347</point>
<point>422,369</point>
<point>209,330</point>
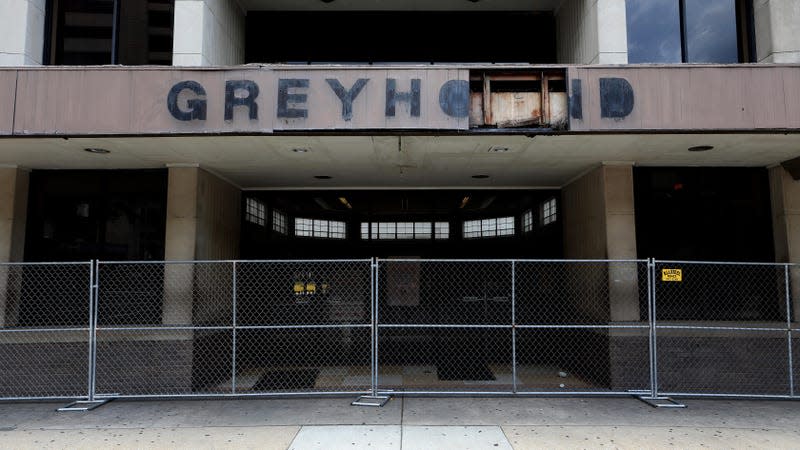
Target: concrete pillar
<point>208,33</point>
<point>785,196</point>
<point>777,24</point>
<point>599,223</point>
<point>203,220</point>
<point>13,215</point>
<point>21,32</point>
<point>592,32</point>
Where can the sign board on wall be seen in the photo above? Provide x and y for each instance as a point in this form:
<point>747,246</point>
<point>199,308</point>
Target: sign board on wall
<point>682,97</point>
<point>258,100</point>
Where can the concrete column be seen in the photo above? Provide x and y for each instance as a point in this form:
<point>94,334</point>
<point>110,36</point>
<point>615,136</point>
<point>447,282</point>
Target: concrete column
<point>785,196</point>
<point>13,215</point>
<point>208,33</point>
<point>21,32</point>
<point>599,223</point>
<point>592,32</point>
<point>202,224</point>
<point>777,24</point>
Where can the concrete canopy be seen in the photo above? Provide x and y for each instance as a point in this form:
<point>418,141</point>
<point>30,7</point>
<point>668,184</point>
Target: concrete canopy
<point>391,161</point>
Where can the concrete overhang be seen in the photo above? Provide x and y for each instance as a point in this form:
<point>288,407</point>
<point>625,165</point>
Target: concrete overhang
<point>408,161</point>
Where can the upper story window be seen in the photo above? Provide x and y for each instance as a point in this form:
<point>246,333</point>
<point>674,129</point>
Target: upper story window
<point>549,212</point>
<point>95,32</point>
<point>255,211</point>
<point>279,222</point>
<point>527,221</point>
<point>693,31</point>
<point>500,226</point>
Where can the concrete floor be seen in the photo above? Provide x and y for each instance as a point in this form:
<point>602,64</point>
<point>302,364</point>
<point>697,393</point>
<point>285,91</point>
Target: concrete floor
<point>404,423</point>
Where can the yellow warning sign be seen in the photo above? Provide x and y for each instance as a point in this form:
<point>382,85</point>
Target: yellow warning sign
<point>671,275</point>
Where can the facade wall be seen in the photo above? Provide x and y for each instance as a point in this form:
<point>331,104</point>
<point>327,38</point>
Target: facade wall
<point>13,213</point>
<point>208,33</point>
<point>21,32</point>
<point>599,223</point>
<point>592,32</point>
<point>777,24</point>
<point>785,197</point>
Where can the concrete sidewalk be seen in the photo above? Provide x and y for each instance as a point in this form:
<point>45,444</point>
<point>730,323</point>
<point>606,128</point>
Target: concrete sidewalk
<point>407,423</point>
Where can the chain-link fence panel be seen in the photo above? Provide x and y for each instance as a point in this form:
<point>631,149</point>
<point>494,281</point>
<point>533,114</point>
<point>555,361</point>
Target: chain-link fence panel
<point>741,294</point>
<point>722,362</point>
<point>722,329</point>
<point>445,325</point>
<point>795,375</point>
<point>580,292</point>
<point>437,292</point>
<point>278,293</point>
<point>165,328</point>
<point>598,360</point>
<point>45,330</point>
<point>445,359</point>
<point>304,326</point>
<point>332,359</point>
<point>582,326</point>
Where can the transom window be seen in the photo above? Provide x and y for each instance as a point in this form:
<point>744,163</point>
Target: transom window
<point>319,228</point>
<point>499,226</point>
<point>404,230</point>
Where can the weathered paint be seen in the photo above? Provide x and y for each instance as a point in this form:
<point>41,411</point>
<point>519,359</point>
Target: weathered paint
<point>8,80</point>
<point>641,98</point>
<point>55,101</point>
<point>130,101</point>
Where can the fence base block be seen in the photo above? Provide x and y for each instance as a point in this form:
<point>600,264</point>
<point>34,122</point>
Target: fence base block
<point>371,400</point>
<point>84,405</point>
<point>661,402</point>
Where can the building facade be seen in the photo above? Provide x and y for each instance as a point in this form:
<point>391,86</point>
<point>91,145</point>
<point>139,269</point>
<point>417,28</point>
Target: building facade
<point>181,130</point>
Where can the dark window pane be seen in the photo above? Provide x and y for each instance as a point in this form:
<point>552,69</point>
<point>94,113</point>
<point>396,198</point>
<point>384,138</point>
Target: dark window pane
<point>711,31</point>
<point>654,31</point>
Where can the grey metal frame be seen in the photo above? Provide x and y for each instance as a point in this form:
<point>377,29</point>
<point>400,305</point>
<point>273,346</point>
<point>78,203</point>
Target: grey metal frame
<point>734,330</point>
<point>55,271</point>
<point>656,330</point>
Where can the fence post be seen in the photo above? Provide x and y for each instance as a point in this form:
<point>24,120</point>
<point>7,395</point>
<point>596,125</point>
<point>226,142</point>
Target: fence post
<point>514,326</point>
<point>233,331</point>
<point>787,288</point>
<point>92,330</point>
<point>374,307</point>
<point>651,313</point>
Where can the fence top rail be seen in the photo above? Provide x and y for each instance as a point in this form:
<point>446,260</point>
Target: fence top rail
<point>47,263</point>
<point>237,261</point>
<point>512,260</point>
<point>728,263</point>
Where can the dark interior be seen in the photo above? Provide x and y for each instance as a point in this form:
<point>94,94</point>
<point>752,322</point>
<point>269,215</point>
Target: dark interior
<point>710,214</point>
<point>703,213</point>
<point>399,36</point>
<point>78,215</point>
